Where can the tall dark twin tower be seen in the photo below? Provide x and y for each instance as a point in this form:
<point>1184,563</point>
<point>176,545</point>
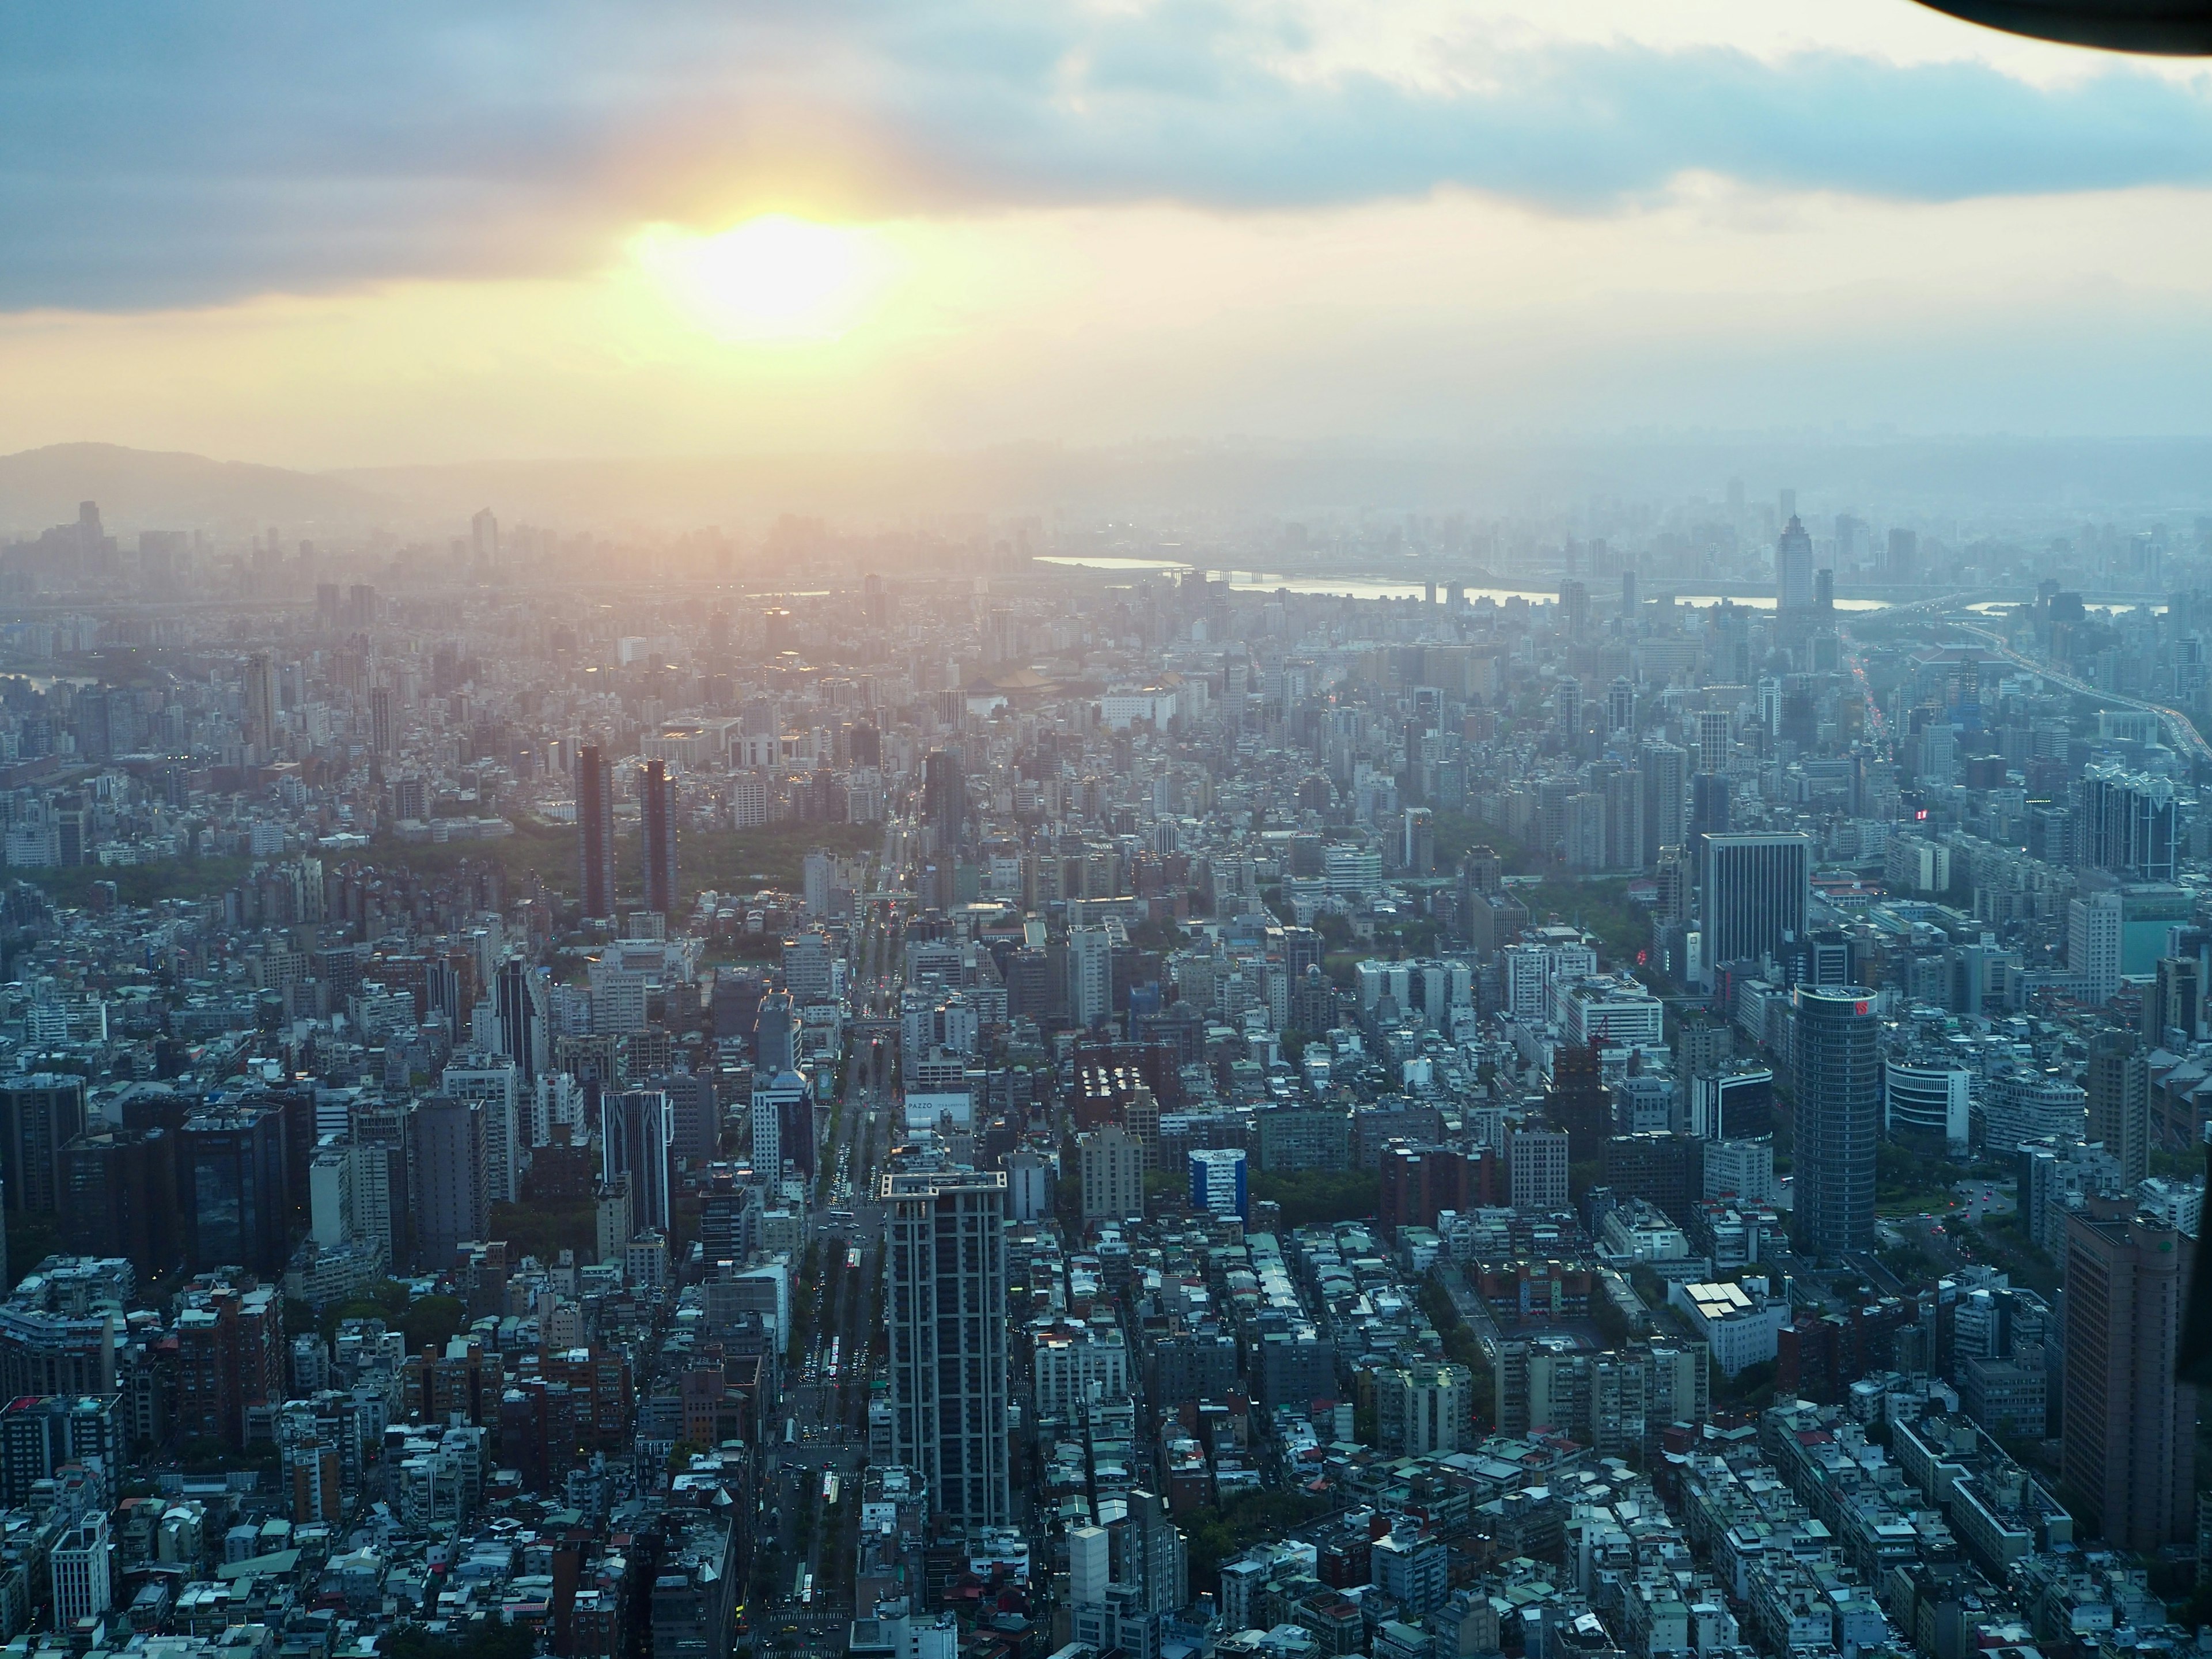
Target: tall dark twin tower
<point>595,832</point>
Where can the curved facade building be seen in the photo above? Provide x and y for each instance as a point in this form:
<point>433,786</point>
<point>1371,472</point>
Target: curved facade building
<point>1925,1105</point>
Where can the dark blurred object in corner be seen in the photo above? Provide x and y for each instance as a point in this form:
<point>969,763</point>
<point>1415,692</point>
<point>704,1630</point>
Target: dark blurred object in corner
<point>2193,1362</point>
<point>2180,28</point>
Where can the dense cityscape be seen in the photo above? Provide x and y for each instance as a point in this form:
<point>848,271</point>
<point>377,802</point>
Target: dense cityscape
<point>992,1092</point>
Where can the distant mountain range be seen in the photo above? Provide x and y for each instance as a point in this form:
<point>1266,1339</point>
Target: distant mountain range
<point>158,489</point>
<point>2027,485</point>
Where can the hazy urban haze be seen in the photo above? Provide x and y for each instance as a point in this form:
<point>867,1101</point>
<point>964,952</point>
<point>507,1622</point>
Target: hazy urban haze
<point>1133,829</point>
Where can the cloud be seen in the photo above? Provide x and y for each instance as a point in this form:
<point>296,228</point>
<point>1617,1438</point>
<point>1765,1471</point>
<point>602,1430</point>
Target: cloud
<point>155,156</point>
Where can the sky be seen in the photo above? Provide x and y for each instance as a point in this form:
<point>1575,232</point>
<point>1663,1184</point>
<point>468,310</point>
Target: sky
<point>327,236</point>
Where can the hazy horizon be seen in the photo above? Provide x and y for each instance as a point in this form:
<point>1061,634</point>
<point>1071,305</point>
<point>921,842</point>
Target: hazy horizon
<point>1957,485</point>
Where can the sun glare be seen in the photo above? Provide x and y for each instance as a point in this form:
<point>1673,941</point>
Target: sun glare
<point>773,279</point>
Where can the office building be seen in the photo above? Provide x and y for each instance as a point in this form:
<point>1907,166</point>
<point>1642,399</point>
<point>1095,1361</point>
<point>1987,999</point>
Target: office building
<point>40,1113</point>
<point>1423,1409</point>
<point>1418,852</point>
<point>2116,1081</point>
<point>1666,772</point>
<point>522,1000</point>
<point>120,1198</point>
<point>1112,1162</point>
<point>1793,568</point>
<point>775,1033</point>
<point>617,999</point>
<point>1715,746</point>
<point>1623,803</point>
<point>810,968</point>
<point>2128,1428</point>
<point>381,727</point>
<point>2096,926</point>
<point>497,1091</point>
<point>349,1198</point>
<point>2124,822</point>
<point>698,1117</point>
<point>81,1569</point>
<point>1839,1117</point>
<point>782,1123</point>
<point>1923,1104</point>
<point>637,1138</point>
<point>1218,1182</point>
<point>1577,1102</point>
<point>260,693</point>
<point>40,1434</point>
<point>1621,706</point>
<point>943,801</point>
<point>595,831</point>
<point>1090,975</point>
<point>656,792</point>
<point>1536,1169</point>
<point>1742,1171</point>
<point>1127,1580</point>
<point>1708,812</point>
<point>1412,1567</point>
<point>946,1274</point>
<point>1737,1105</point>
<point>1756,889</point>
<point>232,1176</point>
<point>451,1205</point>
<point>2173,1004</point>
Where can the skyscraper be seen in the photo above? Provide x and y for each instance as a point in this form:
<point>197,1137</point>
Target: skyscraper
<point>1793,568</point>
<point>483,537</point>
<point>40,1113</point>
<point>637,1138</point>
<point>1839,1117</point>
<point>1666,769</point>
<point>2096,923</point>
<point>776,1028</point>
<point>2118,1083</point>
<point>1714,743</point>
<point>452,1201</point>
<point>120,1198</point>
<point>783,1123</point>
<point>595,829</point>
<point>1709,807</point>
<point>946,1272</point>
<point>379,721</point>
<point>231,1171</point>
<point>523,1003</point>
<point>698,1117</point>
<point>1756,889</point>
<point>2124,822</point>
<point>2173,1001</point>
<point>496,1090</point>
<point>1574,608</point>
<point>1418,854</point>
<point>2129,1441</point>
<point>1903,555</point>
<point>1090,975</point>
<point>657,836</point>
<point>943,800</point>
<point>1567,702</point>
<point>1624,822</point>
<point>260,700</point>
<point>1621,705</point>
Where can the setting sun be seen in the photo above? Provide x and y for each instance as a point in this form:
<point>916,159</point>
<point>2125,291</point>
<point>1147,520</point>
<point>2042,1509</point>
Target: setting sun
<point>771,279</point>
